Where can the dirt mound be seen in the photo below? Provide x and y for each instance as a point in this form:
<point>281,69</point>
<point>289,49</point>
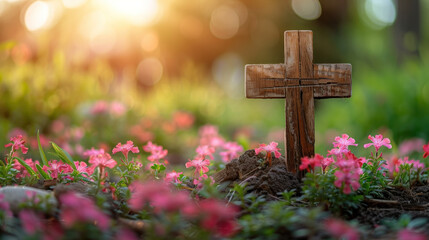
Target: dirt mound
<point>396,202</point>
<point>263,179</point>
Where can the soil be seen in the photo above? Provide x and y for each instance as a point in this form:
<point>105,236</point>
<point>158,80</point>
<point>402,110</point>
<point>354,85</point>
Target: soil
<point>258,175</point>
<point>266,180</point>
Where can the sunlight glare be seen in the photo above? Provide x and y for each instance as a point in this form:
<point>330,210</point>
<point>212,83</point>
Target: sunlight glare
<point>96,28</point>
<point>37,15</point>
<point>137,12</point>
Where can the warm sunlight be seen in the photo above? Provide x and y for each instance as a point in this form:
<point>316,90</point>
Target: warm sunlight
<point>137,12</point>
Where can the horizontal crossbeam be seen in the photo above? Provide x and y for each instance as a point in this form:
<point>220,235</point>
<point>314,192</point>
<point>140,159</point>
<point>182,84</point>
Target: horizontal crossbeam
<point>269,81</point>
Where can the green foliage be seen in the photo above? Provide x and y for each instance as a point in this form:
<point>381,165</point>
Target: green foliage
<point>63,155</point>
<point>319,190</point>
<point>7,174</point>
<point>42,153</point>
<point>400,91</point>
<point>279,221</point>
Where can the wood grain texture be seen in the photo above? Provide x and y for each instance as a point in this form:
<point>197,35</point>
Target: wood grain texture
<point>305,54</point>
<point>299,81</point>
<point>334,80</point>
<point>265,80</point>
<point>299,135</point>
<point>291,42</point>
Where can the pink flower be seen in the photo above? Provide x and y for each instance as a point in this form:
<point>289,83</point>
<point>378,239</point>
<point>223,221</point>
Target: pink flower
<point>22,170</point>
<point>337,151</point>
<point>344,142</point>
<point>17,143</point>
<point>209,135</point>
<point>378,141</point>
<point>92,151</point>
<point>425,150</point>
<point>410,145</point>
<point>231,151</point>
<point>347,175</point>
<point>219,218</point>
<point>310,163</point>
<point>30,221</point>
<point>205,151</point>
<point>157,152</point>
<point>82,167</point>
<point>407,234</point>
<point>55,167</point>
<point>99,107</point>
<point>173,177</point>
<point>117,109</point>
<point>129,146</point>
<point>325,162</point>
<point>341,230</point>
<point>183,120</point>
<point>102,161</point>
<point>393,165</point>
<point>417,165</point>
<point>200,165</point>
<point>159,196</point>
<point>272,147</point>
<point>77,209</point>
<point>199,182</point>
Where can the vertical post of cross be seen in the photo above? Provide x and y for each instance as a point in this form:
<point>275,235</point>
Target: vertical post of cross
<point>299,132</point>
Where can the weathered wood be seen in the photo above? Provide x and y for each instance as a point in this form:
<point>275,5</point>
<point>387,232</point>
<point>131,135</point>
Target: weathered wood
<point>299,81</point>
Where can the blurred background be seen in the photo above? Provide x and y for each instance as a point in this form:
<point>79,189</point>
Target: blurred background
<point>92,73</point>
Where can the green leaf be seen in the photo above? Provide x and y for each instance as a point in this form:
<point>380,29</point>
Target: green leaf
<point>29,169</point>
<point>42,172</point>
<point>65,157</point>
<point>42,153</point>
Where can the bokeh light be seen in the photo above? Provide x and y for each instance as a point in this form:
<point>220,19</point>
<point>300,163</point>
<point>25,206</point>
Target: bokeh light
<point>150,42</point>
<point>37,15</point>
<point>137,12</point>
<point>224,22</point>
<point>42,15</point>
<point>149,71</point>
<point>228,72</point>
<point>97,30</point>
<point>307,9</point>
<point>381,13</point>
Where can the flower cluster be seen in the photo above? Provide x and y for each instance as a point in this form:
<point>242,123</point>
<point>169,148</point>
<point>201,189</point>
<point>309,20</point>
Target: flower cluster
<point>72,213</point>
<point>347,167</point>
<point>231,151</point>
<point>348,173</point>
<point>341,230</point>
<point>209,135</point>
<point>213,215</point>
<point>115,108</point>
<point>157,153</point>
<point>173,176</point>
<point>17,143</point>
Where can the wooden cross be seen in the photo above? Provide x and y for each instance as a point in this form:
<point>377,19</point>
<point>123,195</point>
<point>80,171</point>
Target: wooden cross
<point>300,82</point>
